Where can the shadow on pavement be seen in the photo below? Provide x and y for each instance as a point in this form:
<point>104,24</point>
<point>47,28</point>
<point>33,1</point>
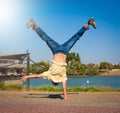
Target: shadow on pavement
<point>52,96</point>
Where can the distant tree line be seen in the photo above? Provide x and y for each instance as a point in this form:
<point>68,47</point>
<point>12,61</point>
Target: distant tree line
<point>75,67</point>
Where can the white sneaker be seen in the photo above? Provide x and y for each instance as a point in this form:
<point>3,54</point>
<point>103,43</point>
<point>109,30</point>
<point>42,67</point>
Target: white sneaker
<point>30,23</point>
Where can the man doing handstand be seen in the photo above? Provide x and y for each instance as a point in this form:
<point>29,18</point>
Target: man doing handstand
<point>57,70</point>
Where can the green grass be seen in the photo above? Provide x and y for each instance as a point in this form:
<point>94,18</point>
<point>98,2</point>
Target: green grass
<point>12,87</point>
<point>46,88</point>
<point>92,89</point>
<point>76,89</point>
<point>19,87</point>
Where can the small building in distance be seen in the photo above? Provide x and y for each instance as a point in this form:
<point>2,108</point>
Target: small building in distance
<point>12,64</point>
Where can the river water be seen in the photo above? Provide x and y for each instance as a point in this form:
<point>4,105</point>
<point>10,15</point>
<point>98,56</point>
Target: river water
<point>96,81</point>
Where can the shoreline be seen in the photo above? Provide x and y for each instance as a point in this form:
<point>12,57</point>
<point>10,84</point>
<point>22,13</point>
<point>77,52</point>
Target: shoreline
<point>113,72</point>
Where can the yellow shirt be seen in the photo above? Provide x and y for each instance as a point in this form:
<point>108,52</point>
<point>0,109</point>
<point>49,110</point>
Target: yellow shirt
<point>56,72</point>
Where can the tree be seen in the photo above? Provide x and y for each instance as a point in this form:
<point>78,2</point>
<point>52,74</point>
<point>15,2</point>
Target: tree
<point>39,67</point>
<point>92,69</point>
<point>105,66</point>
<point>83,68</point>
<point>72,56</point>
<point>116,66</point>
<point>73,62</point>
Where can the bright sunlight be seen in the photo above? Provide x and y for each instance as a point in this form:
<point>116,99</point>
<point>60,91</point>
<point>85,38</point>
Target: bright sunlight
<point>8,12</point>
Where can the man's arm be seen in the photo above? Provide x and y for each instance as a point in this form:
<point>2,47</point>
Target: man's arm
<point>64,90</point>
<point>24,78</point>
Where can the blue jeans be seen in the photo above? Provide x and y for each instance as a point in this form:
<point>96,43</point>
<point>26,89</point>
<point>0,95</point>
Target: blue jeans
<point>60,48</point>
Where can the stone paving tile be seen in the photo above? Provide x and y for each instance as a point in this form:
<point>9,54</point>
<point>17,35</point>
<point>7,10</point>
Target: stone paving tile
<point>48,108</point>
<point>97,99</point>
<point>51,102</point>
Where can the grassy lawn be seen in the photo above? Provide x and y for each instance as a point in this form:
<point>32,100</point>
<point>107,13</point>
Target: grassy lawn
<point>19,87</point>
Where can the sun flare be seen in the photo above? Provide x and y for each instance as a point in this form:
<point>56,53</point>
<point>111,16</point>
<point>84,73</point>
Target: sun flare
<point>7,12</point>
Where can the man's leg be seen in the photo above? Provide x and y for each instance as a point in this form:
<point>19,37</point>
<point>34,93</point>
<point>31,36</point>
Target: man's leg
<point>70,43</point>
<point>50,42</point>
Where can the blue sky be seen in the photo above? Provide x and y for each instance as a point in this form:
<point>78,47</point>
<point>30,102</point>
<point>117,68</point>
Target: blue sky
<point>60,19</point>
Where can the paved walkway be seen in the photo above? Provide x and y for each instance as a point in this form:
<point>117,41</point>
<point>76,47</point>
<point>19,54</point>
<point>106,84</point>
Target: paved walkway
<point>51,102</point>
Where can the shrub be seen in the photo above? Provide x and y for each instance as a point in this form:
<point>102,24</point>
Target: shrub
<point>1,84</point>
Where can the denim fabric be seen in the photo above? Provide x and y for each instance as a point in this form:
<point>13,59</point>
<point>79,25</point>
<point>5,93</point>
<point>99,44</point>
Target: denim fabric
<point>60,48</point>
